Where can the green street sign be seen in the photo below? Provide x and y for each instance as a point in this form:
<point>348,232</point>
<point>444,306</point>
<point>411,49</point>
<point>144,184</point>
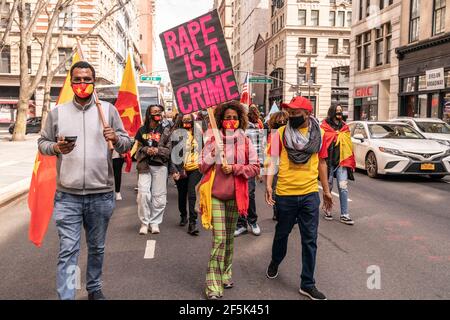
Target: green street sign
<point>260,80</point>
<point>150,78</point>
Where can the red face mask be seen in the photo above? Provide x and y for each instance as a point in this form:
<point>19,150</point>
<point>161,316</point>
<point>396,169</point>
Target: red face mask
<point>187,125</point>
<point>83,90</point>
<point>230,124</point>
<point>156,118</point>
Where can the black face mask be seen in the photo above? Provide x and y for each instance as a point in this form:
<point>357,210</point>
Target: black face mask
<point>296,122</point>
<point>339,114</point>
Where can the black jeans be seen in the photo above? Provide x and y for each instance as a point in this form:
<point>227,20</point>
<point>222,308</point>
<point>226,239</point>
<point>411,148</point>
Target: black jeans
<point>303,210</point>
<point>186,193</point>
<point>252,216</point>
<point>117,166</point>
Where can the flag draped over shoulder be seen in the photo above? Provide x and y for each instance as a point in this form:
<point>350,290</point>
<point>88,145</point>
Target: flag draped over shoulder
<point>43,180</point>
<point>205,192</point>
<point>341,138</point>
<point>128,105</point>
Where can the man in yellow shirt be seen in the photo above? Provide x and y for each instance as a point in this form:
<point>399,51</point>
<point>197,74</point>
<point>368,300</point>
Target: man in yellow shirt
<point>295,148</point>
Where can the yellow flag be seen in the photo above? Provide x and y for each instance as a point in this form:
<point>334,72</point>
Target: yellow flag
<point>66,94</point>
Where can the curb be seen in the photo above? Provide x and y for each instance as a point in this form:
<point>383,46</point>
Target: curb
<point>14,191</point>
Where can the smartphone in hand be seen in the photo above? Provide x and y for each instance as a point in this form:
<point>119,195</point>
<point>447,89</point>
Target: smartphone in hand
<point>70,139</point>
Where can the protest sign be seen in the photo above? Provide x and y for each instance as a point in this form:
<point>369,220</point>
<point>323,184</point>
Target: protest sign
<point>199,64</point>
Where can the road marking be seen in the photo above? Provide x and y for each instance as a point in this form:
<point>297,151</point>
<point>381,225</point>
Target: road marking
<point>335,194</point>
<point>150,249</point>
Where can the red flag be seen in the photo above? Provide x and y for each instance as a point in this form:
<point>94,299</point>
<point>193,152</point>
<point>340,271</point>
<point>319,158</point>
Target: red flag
<point>41,196</point>
<point>127,101</point>
<point>245,96</point>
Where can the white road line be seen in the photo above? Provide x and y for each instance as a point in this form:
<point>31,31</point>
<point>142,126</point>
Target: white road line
<point>150,249</point>
<point>335,194</point>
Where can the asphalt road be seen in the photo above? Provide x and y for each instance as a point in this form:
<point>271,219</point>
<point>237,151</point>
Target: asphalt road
<point>401,226</point>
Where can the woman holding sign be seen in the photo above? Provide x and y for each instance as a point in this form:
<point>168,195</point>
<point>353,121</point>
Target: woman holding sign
<point>224,191</point>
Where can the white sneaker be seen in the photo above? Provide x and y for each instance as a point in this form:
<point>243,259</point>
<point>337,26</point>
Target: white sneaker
<point>118,196</point>
<point>155,228</point>
<point>144,229</point>
<point>255,229</point>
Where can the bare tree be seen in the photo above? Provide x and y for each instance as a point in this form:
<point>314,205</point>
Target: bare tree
<point>51,73</point>
<point>10,19</point>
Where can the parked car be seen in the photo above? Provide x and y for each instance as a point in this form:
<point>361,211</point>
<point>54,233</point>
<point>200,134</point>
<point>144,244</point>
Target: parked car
<point>33,125</point>
<point>431,128</point>
<point>383,148</point>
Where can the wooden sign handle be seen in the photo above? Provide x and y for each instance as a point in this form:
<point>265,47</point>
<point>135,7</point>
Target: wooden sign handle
<point>212,120</point>
<point>102,118</point>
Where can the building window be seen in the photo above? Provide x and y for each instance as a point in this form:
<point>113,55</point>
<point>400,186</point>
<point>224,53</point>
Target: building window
<point>340,77</point>
<point>282,48</point>
<point>314,18</point>
<point>332,18</point>
<point>63,53</point>
<point>349,18</point>
<point>276,52</point>
<point>5,60</point>
<point>359,52</point>
<point>367,8</point>
<point>282,21</point>
<point>302,45</point>
<point>439,16</point>
<point>29,59</point>
<point>271,55</point>
<point>302,77</point>
<point>341,19</point>
<point>388,43</point>
<point>333,46</point>
<point>313,45</point>
<point>302,17</point>
<point>346,46</point>
<point>65,20</point>
<point>385,3</point>
<point>4,15</point>
<point>414,21</point>
<point>360,15</point>
<point>367,49</point>
<point>379,46</point>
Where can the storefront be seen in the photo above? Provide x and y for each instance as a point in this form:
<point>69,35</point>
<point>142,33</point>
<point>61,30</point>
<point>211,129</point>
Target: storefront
<point>9,98</point>
<point>365,103</point>
<point>425,79</point>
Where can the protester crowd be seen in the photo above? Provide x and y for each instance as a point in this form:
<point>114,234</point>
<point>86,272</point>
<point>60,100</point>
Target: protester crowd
<point>216,171</point>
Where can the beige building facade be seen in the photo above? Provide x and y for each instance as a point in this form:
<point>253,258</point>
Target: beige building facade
<point>374,66</point>
<point>309,52</point>
<point>105,49</point>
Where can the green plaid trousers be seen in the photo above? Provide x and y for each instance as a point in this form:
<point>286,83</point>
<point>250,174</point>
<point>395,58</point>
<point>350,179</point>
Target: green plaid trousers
<point>224,218</point>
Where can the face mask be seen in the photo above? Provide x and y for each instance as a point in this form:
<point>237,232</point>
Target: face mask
<point>296,122</point>
<point>279,125</point>
<point>83,90</point>
<point>157,118</point>
<point>230,124</point>
<point>187,125</point>
<point>339,115</point>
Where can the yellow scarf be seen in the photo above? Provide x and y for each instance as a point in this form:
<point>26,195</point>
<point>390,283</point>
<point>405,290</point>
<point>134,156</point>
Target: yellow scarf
<point>205,191</point>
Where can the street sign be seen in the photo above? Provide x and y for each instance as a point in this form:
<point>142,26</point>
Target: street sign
<point>260,80</point>
<point>150,78</point>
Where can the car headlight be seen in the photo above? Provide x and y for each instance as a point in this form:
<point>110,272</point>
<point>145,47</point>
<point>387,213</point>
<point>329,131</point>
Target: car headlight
<point>391,151</point>
<point>447,153</point>
<point>444,142</point>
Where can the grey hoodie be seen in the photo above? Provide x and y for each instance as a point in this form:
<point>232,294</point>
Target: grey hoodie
<point>88,168</point>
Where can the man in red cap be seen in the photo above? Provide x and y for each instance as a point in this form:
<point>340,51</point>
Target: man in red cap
<point>295,148</point>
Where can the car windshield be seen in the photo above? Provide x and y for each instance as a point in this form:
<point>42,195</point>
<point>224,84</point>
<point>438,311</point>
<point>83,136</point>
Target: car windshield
<point>434,127</point>
<point>393,131</point>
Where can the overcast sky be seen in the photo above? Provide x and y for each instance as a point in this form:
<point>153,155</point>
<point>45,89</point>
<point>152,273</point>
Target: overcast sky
<point>170,13</point>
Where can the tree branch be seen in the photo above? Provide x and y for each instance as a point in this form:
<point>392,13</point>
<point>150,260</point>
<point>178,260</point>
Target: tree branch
<point>10,22</point>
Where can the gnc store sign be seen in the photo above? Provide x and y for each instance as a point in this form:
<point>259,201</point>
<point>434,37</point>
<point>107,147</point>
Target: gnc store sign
<point>366,92</point>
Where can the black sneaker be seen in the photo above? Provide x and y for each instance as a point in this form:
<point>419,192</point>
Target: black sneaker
<point>192,229</point>
<point>272,270</point>
<point>97,295</point>
<point>183,221</point>
<point>312,293</point>
<point>347,220</point>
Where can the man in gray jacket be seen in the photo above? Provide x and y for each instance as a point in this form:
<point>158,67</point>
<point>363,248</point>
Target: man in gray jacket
<point>85,180</point>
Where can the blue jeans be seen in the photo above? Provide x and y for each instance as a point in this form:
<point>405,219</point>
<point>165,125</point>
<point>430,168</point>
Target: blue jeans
<point>342,183</point>
<point>303,210</point>
<point>71,212</point>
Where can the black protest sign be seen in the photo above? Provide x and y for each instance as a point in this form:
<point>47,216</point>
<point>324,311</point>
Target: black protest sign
<point>199,64</point>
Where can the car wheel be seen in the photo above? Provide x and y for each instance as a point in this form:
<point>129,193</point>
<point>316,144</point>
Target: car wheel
<point>372,165</point>
<point>437,176</point>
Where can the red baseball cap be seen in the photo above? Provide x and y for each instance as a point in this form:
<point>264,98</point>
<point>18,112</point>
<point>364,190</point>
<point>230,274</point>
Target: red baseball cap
<point>298,103</point>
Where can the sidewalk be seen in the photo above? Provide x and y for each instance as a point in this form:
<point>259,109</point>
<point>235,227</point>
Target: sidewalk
<point>16,165</point>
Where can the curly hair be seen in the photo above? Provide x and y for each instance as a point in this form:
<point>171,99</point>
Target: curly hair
<point>236,106</point>
<point>281,116</point>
